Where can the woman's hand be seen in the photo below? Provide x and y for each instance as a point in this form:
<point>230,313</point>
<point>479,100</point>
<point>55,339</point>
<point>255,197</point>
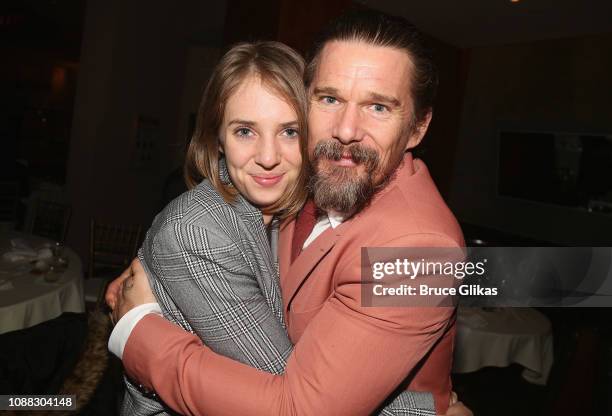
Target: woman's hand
<point>129,290</point>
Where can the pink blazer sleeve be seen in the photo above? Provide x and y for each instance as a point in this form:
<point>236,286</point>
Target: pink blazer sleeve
<point>348,360</point>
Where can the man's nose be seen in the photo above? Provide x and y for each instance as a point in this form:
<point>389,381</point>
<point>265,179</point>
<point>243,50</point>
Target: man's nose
<point>347,129</point>
<point>268,153</point>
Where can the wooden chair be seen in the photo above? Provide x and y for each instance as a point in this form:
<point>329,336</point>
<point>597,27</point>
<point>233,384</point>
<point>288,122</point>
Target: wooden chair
<point>112,248</point>
<point>51,220</point>
<point>9,200</point>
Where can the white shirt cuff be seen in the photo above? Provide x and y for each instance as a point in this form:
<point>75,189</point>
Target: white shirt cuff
<point>121,332</point>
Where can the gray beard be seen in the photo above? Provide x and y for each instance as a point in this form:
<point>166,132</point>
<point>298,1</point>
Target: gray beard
<point>342,189</point>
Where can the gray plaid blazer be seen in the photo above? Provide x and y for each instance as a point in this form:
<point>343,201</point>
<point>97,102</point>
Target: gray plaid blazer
<point>213,270</point>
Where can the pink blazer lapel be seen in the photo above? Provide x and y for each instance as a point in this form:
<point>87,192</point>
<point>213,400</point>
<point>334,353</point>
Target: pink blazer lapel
<point>285,240</point>
<point>293,275</point>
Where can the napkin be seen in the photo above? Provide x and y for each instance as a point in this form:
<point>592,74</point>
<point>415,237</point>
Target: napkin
<point>19,255</point>
<point>22,252</point>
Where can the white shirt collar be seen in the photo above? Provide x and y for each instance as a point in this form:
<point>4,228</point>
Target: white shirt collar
<point>335,218</point>
<point>331,219</point>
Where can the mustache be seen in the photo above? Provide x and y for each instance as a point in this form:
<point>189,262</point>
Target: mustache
<point>334,150</point>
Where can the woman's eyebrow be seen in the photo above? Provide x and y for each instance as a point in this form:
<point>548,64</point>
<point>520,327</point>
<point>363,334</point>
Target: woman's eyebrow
<point>291,123</point>
<point>243,122</point>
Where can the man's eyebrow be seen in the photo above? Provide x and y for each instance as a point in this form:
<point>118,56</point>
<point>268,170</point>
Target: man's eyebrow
<point>373,96</point>
<point>384,99</point>
<point>325,91</point>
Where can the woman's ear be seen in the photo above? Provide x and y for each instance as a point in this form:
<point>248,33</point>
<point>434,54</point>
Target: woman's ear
<point>220,145</point>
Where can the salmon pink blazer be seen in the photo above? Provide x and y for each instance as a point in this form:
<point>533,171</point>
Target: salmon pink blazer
<point>348,358</point>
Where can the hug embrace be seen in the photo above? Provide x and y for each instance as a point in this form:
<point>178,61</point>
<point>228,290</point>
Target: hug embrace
<point>246,296</point>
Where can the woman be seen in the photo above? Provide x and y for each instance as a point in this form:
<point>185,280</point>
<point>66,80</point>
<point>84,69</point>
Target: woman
<point>207,254</point>
<point>211,254</point>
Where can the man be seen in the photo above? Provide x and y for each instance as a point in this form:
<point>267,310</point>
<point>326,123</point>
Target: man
<point>371,86</point>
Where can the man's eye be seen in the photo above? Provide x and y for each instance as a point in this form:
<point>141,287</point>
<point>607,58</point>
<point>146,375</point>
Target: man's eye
<point>379,108</point>
<point>291,132</point>
<point>329,100</point>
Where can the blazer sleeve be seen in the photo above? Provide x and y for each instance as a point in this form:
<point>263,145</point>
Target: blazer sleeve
<point>211,283</point>
<point>348,360</point>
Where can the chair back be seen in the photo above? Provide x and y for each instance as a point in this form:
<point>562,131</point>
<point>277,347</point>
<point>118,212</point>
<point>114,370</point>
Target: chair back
<point>112,247</point>
<point>51,220</point>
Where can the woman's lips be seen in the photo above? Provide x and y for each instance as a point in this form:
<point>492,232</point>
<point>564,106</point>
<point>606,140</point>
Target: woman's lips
<point>267,180</point>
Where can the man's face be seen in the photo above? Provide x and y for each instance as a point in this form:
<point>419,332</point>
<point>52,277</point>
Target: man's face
<point>360,121</point>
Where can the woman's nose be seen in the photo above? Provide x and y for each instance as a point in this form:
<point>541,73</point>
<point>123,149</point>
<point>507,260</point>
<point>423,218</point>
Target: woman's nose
<point>268,154</point>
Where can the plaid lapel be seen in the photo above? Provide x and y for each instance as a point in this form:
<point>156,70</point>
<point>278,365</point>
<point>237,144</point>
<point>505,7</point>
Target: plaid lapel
<point>256,231</point>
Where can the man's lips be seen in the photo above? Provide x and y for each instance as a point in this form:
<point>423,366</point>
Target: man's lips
<point>268,179</point>
<point>345,160</point>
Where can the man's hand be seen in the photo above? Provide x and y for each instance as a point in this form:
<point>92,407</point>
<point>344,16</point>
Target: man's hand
<point>129,290</point>
<point>114,288</point>
<point>457,408</point>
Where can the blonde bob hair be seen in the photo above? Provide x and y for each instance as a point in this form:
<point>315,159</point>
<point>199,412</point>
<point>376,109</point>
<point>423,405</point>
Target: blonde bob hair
<point>280,69</point>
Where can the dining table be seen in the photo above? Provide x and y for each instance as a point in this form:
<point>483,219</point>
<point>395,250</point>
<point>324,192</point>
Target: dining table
<point>37,286</point>
<point>499,337</point>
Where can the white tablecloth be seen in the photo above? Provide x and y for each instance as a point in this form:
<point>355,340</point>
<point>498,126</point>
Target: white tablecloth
<point>502,337</point>
<point>27,299</point>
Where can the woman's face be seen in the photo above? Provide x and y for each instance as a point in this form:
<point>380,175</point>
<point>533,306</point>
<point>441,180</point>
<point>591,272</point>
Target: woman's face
<point>261,143</point>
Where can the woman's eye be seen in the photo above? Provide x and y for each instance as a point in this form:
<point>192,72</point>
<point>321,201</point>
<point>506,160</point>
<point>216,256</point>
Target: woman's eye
<point>243,132</point>
<point>291,133</point>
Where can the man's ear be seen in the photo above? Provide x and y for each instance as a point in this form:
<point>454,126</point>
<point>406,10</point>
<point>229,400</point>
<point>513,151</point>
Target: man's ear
<point>419,131</point>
